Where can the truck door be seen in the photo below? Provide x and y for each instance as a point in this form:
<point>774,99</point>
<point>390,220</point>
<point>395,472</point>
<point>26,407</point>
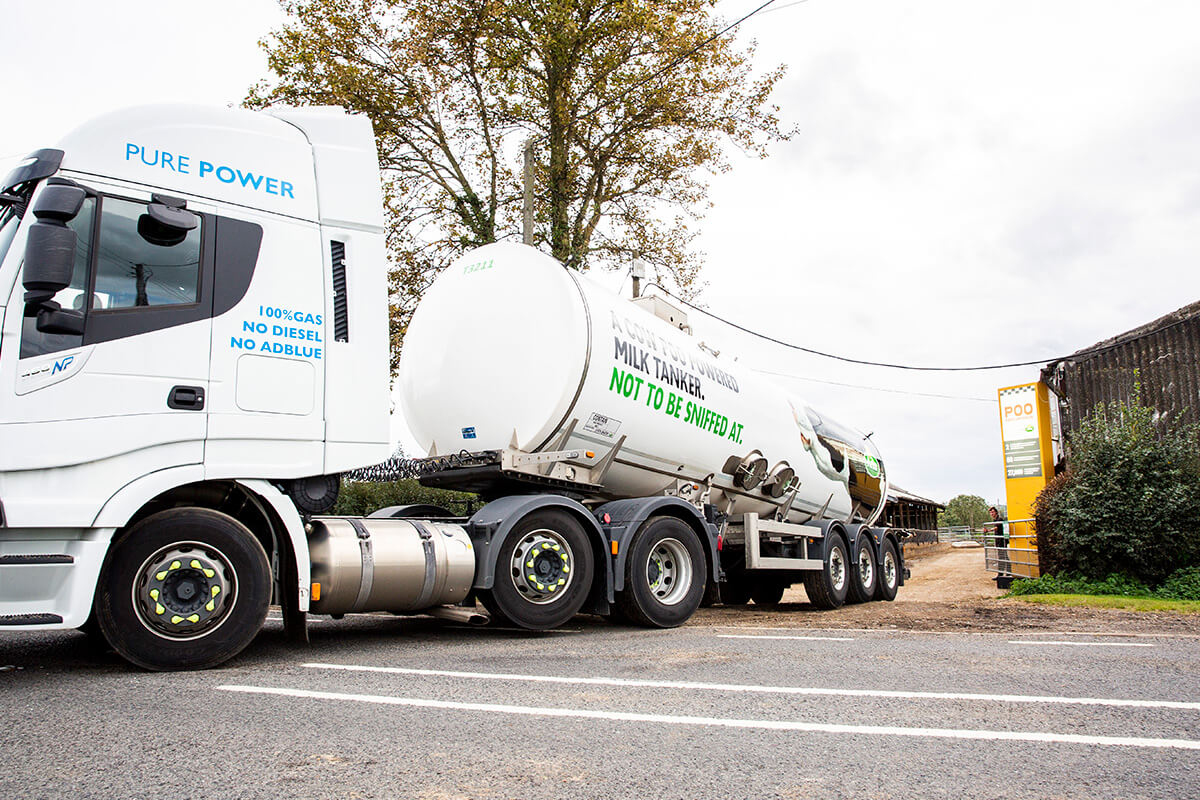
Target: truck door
<point>94,410</point>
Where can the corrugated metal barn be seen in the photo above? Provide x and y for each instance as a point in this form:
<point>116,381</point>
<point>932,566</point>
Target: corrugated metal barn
<point>1163,356</point>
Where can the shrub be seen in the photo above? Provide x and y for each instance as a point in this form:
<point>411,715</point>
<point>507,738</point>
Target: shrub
<point>1184,584</point>
<point>359,498</point>
<point>1078,584</point>
<point>1130,504</point>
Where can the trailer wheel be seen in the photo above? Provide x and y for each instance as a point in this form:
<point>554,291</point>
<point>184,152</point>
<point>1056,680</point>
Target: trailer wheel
<point>543,572</point>
<point>826,587</point>
<point>889,572</point>
<point>768,591</point>
<point>664,574</point>
<point>864,572</point>
<point>186,588</point>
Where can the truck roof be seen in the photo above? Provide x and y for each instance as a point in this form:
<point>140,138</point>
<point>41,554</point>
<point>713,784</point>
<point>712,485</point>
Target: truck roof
<point>315,164</point>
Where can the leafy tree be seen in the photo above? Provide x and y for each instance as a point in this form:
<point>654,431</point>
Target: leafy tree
<point>628,112</point>
<point>1129,503</point>
<point>965,509</point>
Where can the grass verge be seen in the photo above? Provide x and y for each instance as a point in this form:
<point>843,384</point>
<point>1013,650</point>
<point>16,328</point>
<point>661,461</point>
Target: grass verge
<point>1112,601</point>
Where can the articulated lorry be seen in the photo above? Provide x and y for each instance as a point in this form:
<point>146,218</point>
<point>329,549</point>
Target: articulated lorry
<point>194,348</point>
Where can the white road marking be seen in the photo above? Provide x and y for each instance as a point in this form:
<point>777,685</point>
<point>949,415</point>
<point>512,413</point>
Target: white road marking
<point>797,638</point>
<point>1081,644</point>
<point>760,724</point>
<point>758,689</point>
<point>894,629</point>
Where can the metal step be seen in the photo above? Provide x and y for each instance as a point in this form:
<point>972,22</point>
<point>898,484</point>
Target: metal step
<point>35,559</point>
<point>757,529</point>
<point>29,619</point>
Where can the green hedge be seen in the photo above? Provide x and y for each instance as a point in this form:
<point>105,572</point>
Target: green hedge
<point>1183,584</point>
<point>359,498</point>
<point>1129,504</point>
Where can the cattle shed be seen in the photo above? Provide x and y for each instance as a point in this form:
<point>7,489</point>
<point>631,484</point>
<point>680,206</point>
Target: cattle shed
<point>1162,358</point>
<point>911,512</point>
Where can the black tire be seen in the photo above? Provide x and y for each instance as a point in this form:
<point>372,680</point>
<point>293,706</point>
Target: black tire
<point>664,574</point>
<point>889,576</point>
<point>149,601</point>
<point>826,588</point>
<point>767,591</point>
<point>527,606</point>
<point>864,571</point>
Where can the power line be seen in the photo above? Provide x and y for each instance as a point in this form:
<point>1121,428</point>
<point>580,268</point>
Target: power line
<point>1035,362</point>
<point>684,56</point>
<point>876,388</point>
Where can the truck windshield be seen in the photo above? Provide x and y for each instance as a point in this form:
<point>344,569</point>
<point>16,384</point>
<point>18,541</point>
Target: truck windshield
<point>8,229</point>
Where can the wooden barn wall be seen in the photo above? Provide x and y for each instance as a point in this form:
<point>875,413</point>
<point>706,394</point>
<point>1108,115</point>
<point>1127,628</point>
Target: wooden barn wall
<point>1165,362</point>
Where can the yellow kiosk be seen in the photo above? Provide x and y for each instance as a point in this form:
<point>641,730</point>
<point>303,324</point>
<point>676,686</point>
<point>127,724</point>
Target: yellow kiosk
<point>1027,431</point>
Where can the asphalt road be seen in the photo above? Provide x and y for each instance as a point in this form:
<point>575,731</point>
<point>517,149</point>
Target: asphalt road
<point>418,708</point>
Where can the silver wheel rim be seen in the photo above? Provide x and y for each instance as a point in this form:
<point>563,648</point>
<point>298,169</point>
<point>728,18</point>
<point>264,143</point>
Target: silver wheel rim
<point>543,566</point>
<point>889,569</point>
<point>184,591</point>
<point>866,567</point>
<point>837,568</point>
<point>669,571</point>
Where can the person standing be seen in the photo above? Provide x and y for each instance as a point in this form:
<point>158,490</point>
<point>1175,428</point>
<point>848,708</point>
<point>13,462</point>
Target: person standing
<point>999,534</point>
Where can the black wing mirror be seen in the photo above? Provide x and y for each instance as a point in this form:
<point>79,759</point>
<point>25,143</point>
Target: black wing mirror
<point>50,252</point>
<point>166,222</point>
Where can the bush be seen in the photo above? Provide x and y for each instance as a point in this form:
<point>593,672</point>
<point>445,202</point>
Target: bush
<point>1130,504</point>
<point>359,498</point>
<point>1078,584</point>
<point>1183,584</point>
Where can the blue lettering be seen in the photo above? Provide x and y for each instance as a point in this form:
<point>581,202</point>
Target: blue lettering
<point>285,189</point>
<point>205,168</point>
<point>150,163</point>
<point>61,366</point>
<point>167,158</point>
<point>181,163</point>
<point>222,171</point>
<point>271,186</point>
<point>131,150</point>
<point>251,178</point>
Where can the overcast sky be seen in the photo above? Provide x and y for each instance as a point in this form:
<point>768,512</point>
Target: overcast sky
<point>972,182</point>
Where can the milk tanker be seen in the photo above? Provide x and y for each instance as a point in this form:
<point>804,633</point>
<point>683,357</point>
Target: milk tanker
<point>526,380</point>
<point>171,442</point>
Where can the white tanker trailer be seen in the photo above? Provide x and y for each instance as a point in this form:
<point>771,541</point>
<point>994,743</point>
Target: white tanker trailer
<point>523,378</point>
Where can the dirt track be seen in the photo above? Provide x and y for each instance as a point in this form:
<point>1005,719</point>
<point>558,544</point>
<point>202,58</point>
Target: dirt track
<point>949,591</point>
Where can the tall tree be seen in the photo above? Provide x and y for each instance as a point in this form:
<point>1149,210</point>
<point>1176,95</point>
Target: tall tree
<point>628,103</point>
<point>965,509</point>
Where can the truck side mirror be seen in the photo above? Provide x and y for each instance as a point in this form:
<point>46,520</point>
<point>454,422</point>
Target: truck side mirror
<point>50,246</point>
<point>166,222</point>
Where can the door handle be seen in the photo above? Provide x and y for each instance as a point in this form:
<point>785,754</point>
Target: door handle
<point>186,398</point>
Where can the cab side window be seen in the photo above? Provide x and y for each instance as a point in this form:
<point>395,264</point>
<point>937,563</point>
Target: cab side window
<point>123,262</point>
<point>133,271</point>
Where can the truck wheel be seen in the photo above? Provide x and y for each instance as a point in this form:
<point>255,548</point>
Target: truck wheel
<point>826,588</point>
<point>889,572</point>
<point>186,588</point>
<point>863,571</point>
<point>543,572</point>
<point>767,591</point>
<point>664,574</point>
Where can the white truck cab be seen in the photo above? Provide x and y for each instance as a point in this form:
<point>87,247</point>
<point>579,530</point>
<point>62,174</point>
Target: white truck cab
<point>193,311</point>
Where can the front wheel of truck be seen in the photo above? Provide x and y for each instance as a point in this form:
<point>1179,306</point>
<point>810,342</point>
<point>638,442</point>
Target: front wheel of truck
<point>186,588</point>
